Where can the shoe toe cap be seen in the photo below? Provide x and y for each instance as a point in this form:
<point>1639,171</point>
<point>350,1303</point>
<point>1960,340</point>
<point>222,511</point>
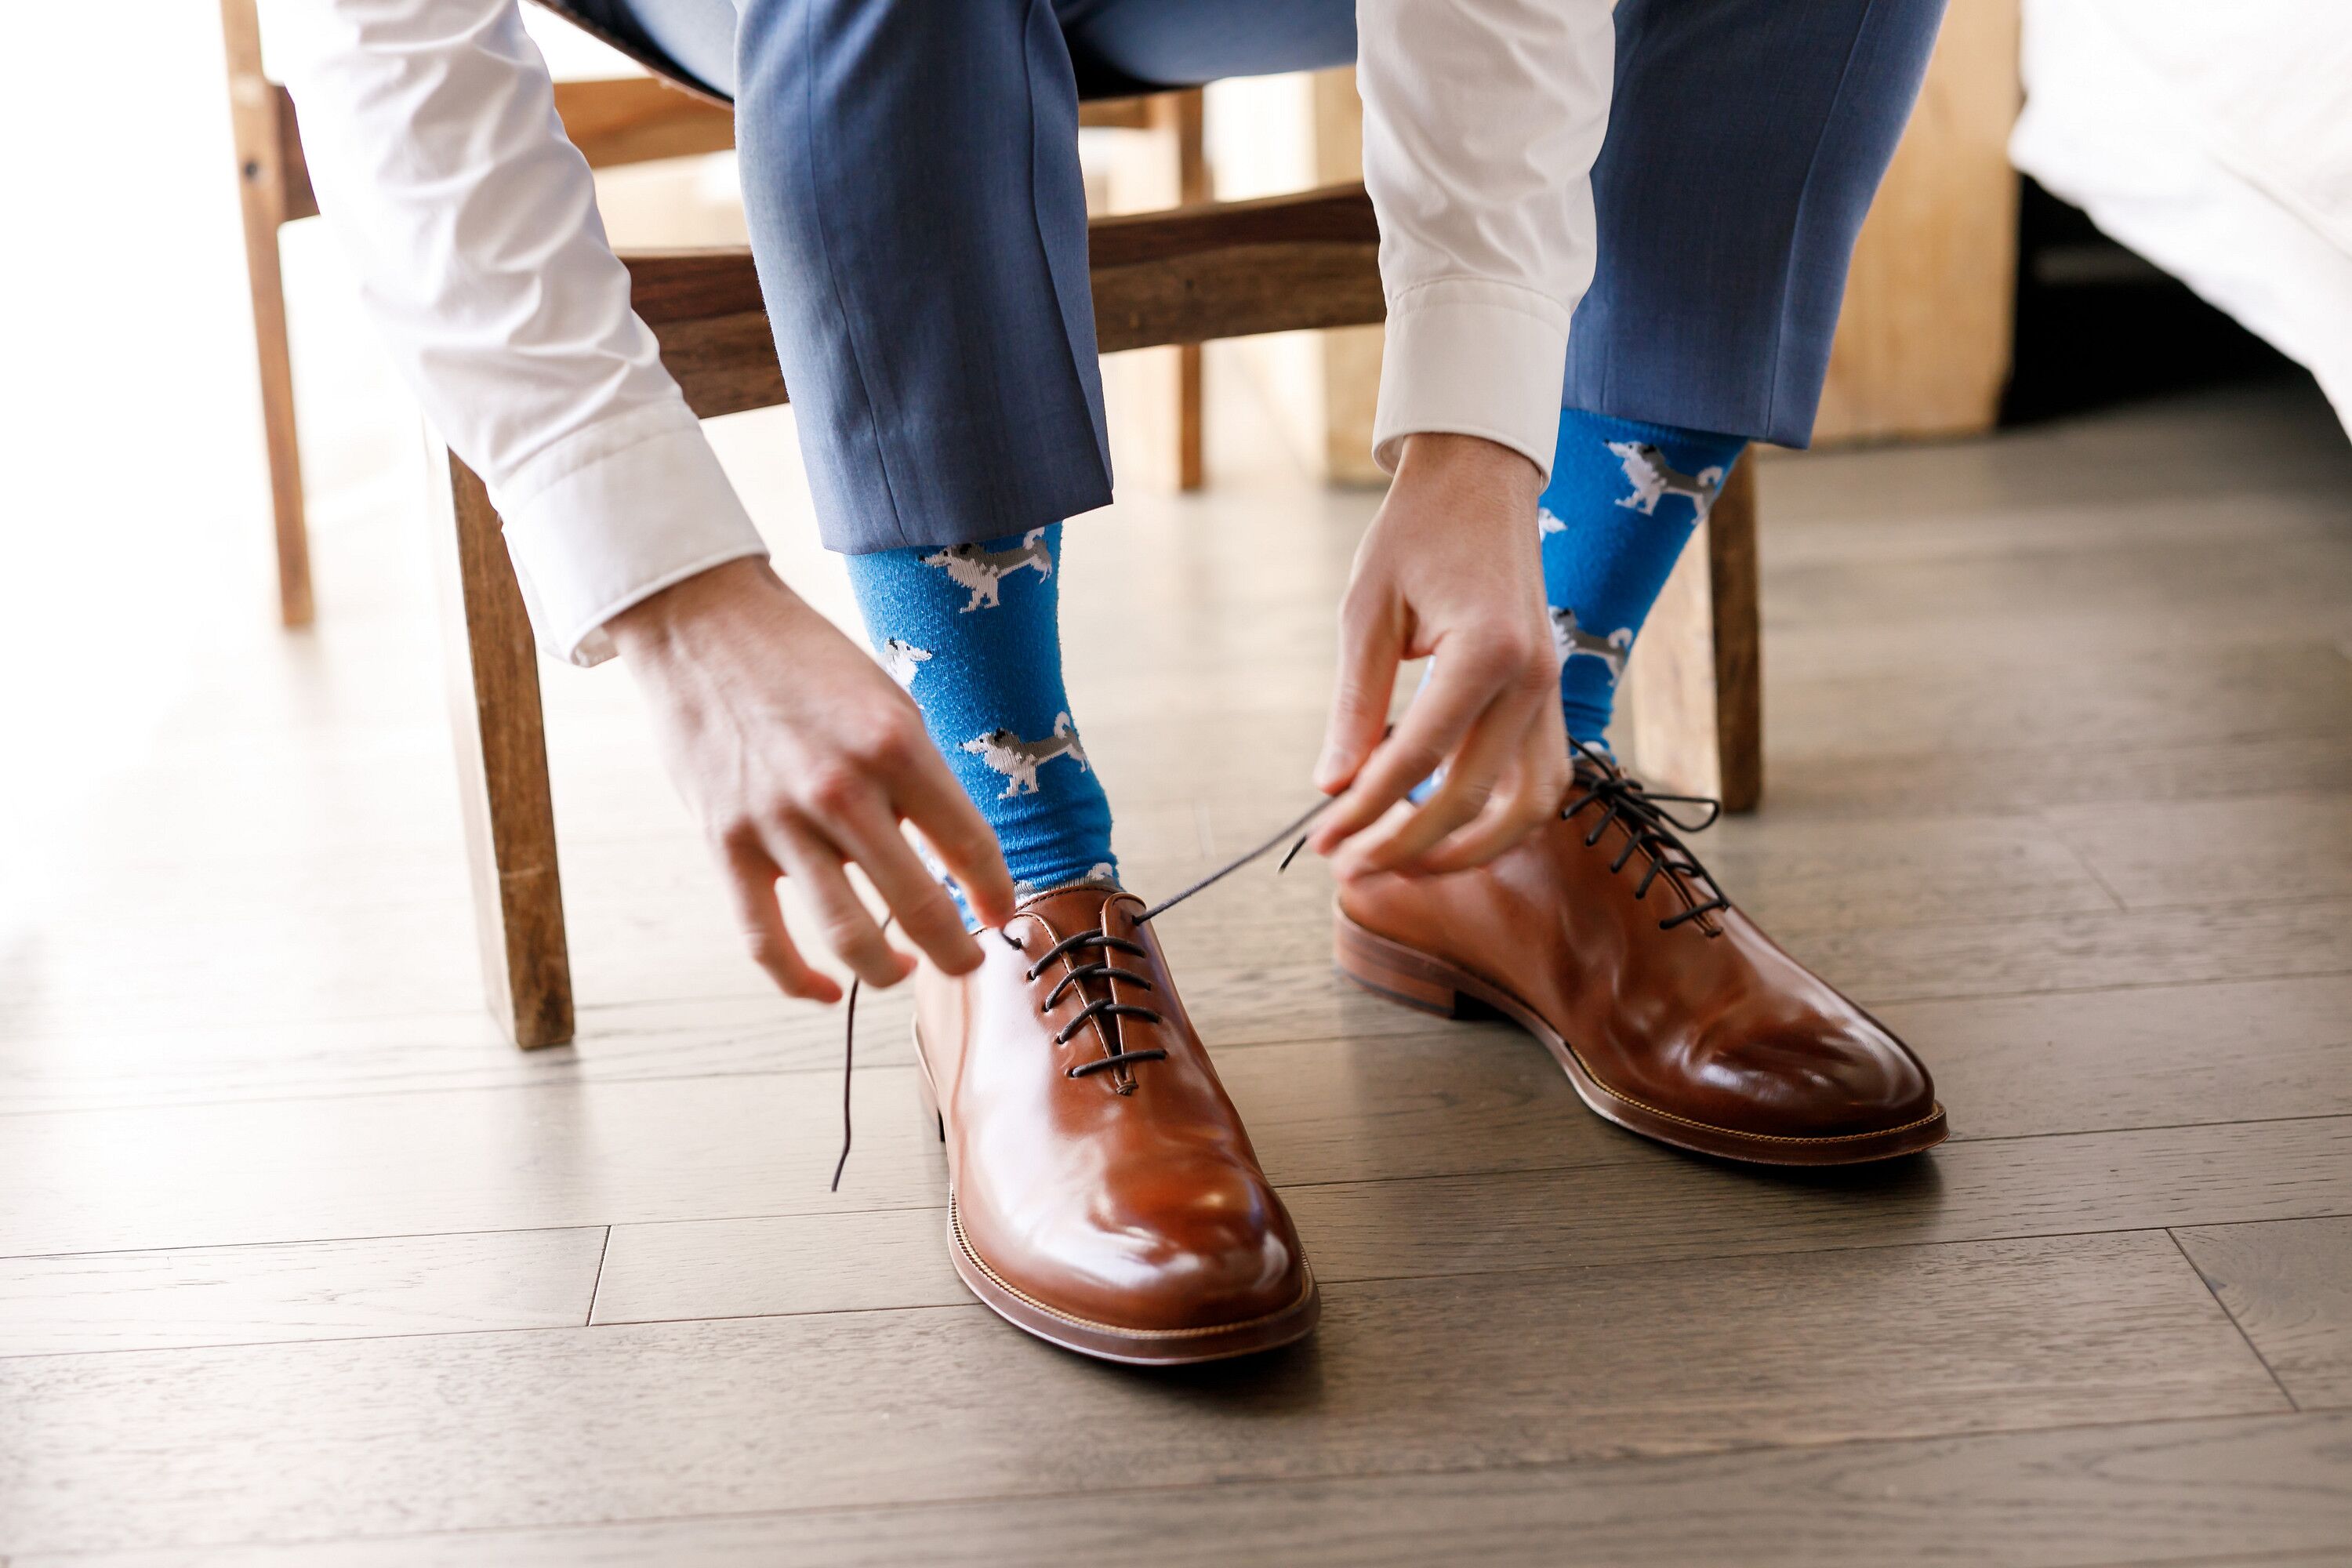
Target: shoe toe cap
<point>1186,1247</point>
<point>1821,1081</point>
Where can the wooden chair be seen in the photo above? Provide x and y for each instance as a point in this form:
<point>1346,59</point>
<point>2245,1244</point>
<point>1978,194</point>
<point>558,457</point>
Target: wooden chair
<point>626,120</point>
<point>1183,276</point>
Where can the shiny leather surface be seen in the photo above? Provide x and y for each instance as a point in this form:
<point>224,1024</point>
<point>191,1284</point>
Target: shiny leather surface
<point>1710,1021</point>
<point>1128,1196</point>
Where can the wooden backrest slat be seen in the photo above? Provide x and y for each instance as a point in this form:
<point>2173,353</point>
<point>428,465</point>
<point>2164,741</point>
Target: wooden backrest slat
<point>1186,274</point>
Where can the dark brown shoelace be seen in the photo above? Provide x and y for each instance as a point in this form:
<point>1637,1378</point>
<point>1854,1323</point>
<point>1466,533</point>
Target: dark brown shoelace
<point>1650,831</point>
<point>1097,941</point>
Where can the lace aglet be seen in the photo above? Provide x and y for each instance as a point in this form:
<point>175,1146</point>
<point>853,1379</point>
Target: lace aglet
<point>1295,848</point>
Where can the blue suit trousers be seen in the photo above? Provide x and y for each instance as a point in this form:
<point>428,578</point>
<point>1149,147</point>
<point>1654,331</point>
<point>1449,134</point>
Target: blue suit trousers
<point>910,176</point>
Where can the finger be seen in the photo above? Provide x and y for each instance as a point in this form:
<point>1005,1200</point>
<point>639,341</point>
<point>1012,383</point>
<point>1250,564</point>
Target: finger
<point>1528,796</point>
<point>1494,744</point>
<point>752,883</point>
<point>1369,654</point>
<point>1458,691</point>
<point>929,797</point>
<point>849,927</point>
<point>924,910</point>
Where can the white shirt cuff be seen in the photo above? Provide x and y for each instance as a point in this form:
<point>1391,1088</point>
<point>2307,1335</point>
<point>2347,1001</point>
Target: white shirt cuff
<point>1472,357</point>
<point>615,515</point>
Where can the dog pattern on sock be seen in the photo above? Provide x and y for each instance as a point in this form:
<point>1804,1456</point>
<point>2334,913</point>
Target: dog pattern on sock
<point>1019,760</point>
<point>1548,523</point>
<point>902,659</point>
<point>1571,639</point>
<point>968,631</point>
<point>981,571</point>
<point>1653,479</point>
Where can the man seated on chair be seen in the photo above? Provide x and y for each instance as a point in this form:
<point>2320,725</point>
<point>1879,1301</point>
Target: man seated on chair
<point>911,182</point>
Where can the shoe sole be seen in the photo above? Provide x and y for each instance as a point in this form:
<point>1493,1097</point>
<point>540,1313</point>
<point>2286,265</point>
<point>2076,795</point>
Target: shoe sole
<point>1108,1341</point>
<point>1414,979</point>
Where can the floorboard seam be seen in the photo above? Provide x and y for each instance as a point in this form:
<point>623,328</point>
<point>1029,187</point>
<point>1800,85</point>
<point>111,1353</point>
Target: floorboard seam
<point>2171,1234</point>
<point>1339,1286</point>
<point>597,1286</point>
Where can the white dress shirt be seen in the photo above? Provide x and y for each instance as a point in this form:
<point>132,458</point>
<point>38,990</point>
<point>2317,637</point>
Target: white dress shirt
<point>433,142</point>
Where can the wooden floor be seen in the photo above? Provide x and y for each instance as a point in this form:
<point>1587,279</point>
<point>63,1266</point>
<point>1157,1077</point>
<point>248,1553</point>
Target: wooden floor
<point>299,1264</point>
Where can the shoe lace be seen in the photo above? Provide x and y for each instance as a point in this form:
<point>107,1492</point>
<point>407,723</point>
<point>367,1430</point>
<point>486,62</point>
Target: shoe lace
<point>1098,940</point>
<point>1650,831</point>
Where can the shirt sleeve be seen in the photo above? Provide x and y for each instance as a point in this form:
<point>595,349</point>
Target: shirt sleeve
<point>434,145</point>
<point>1482,119</point>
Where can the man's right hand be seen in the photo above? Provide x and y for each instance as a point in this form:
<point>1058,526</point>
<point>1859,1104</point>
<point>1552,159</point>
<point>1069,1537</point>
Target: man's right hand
<point>801,756</point>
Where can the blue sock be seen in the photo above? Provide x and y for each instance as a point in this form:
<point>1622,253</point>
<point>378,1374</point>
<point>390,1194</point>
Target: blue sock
<point>1624,500</point>
<point>973,633</point>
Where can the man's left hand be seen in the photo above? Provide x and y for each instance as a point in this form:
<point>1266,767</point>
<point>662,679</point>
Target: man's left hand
<point>1451,570</point>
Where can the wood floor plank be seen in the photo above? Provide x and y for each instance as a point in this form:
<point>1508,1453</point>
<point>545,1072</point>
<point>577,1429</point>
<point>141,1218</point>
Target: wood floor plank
<point>772,1266</point>
<point>2167,449</point>
<point>1674,1207</point>
<point>1431,1099</point>
<point>2153,1055</point>
<point>317,1290</point>
<point>1873,709</point>
<point>1627,1202</point>
<point>1995,778</point>
<point>2192,852</point>
<point>2268,940</point>
<point>284,972</point>
<point>2005,1065</point>
<point>409,1163</point>
<point>2239,1492</point>
<point>2288,1283</point>
<point>1808,535</point>
<point>570,1426</point>
<point>1883,964</point>
<point>2086,576</point>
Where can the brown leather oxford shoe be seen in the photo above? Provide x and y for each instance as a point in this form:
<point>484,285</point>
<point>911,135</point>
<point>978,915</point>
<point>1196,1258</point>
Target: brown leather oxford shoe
<point>1101,1192</point>
<point>1672,1012</point>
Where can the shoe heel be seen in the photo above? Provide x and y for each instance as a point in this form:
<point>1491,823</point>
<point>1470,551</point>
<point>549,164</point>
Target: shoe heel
<point>1396,972</point>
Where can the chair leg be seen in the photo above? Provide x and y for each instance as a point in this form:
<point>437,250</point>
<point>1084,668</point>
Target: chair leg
<point>261,194</point>
<point>294,605</point>
<point>1738,641</point>
<point>1181,114</point>
<point>1694,693</point>
<point>501,748</point>
<point>1192,471</point>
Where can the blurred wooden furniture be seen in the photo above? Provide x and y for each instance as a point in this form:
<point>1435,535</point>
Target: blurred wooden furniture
<point>616,120</point>
<point>1924,341</point>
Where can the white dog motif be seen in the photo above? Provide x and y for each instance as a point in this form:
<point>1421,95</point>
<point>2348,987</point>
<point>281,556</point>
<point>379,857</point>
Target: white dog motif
<point>1571,639</point>
<point>1546,523</point>
<point>984,571</point>
<point>1653,479</point>
<point>1019,760</point>
<point>902,659</point>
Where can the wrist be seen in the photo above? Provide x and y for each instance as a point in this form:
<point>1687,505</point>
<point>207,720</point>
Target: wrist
<point>660,622</point>
<point>1441,457</point>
